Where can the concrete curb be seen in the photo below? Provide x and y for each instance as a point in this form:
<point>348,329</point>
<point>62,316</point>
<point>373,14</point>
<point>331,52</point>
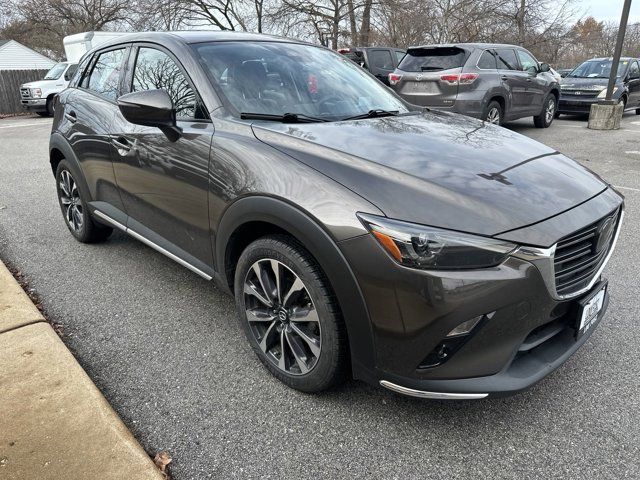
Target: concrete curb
<point>55,423</point>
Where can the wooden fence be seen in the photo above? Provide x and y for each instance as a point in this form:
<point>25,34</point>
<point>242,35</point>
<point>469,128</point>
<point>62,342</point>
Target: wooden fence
<point>10,81</point>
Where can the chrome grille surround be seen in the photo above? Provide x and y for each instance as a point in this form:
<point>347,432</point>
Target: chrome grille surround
<point>544,259</point>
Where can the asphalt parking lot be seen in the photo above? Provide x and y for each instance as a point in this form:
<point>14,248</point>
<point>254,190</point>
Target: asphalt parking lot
<point>165,348</point>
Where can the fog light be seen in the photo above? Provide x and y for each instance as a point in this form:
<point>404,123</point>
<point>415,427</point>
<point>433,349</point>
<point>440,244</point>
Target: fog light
<point>465,327</point>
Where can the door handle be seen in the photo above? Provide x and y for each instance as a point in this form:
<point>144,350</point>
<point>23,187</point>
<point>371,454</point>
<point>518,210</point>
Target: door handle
<point>71,116</point>
<point>504,77</point>
<point>529,80</point>
<point>122,145</point>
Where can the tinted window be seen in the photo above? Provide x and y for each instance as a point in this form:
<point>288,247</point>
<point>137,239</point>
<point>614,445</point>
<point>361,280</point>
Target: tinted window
<point>381,59</point>
<point>277,78</point>
<point>487,61</point>
<point>634,71</point>
<point>527,62</point>
<point>105,76</point>
<point>506,59</point>
<point>399,55</point>
<point>68,75</point>
<point>80,70</point>
<point>155,70</point>
<point>426,59</point>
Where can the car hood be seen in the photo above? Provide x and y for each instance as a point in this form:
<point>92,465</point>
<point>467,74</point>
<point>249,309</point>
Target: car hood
<point>600,83</point>
<point>440,169</point>
<point>39,84</point>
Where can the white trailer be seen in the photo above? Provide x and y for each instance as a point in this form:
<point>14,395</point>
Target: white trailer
<point>77,45</point>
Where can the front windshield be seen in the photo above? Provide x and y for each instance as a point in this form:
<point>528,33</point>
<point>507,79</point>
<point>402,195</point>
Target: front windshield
<point>55,71</point>
<point>275,78</point>
<point>598,69</point>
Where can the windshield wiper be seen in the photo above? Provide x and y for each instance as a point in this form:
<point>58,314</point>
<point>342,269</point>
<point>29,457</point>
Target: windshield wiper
<point>285,117</point>
<point>378,112</point>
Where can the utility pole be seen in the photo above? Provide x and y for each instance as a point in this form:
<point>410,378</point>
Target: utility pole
<point>618,51</point>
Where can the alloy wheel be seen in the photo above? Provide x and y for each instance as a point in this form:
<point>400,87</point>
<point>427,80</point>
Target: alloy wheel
<point>493,116</point>
<point>550,111</point>
<point>282,317</point>
<point>71,202</point>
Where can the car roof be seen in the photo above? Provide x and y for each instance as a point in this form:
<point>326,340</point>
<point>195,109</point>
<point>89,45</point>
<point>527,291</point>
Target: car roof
<point>467,46</point>
<point>196,36</point>
<point>603,59</point>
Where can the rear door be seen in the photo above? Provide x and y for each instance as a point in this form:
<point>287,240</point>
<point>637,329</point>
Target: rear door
<point>90,112</point>
<point>164,183</point>
<point>515,82</point>
<point>429,75</point>
<point>380,63</point>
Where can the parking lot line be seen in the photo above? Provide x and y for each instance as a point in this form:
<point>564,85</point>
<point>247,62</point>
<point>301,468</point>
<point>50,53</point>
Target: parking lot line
<point>628,188</point>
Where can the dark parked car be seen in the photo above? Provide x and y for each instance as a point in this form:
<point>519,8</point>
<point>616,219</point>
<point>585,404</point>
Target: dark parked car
<point>380,61</point>
<point>587,84</point>
<point>496,83</point>
<point>564,71</point>
<point>432,253</point>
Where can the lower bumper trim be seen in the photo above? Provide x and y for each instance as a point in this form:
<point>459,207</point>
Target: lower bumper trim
<point>433,395</point>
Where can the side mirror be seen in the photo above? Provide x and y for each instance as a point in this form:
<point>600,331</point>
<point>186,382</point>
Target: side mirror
<point>544,67</point>
<point>151,108</point>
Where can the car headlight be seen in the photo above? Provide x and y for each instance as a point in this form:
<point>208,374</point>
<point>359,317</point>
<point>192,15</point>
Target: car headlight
<point>36,92</point>
<point>603,93</point>
<point>431,248</point>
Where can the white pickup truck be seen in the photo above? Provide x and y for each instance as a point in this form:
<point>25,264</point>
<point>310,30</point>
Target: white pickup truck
<point>38,96</point>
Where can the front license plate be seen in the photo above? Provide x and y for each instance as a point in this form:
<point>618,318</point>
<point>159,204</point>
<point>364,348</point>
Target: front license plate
<point>589,310</point>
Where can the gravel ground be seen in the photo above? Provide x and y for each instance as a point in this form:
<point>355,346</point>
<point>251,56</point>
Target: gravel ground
<point>165,348</point>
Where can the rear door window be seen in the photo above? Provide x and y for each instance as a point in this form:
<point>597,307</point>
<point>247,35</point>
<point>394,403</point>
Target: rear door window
<point>432,59</point>
<point>487,61</point>
<point>399,55</point>
<point>507,59</point>
<point>104,78</point>
<point>381,59</point>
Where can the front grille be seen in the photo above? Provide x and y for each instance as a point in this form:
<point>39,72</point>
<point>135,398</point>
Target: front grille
<point>579,256</point>
<point>25,92</point>
<point>580,93</point>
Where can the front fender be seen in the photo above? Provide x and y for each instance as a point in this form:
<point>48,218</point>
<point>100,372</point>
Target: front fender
<point>326,252</point>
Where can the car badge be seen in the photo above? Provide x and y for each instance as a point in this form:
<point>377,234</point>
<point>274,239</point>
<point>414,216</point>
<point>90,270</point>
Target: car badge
<point>418,77</point>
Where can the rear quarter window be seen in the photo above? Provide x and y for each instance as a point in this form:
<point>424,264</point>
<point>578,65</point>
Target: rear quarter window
<point>487,61</point>
<point>433,59</point>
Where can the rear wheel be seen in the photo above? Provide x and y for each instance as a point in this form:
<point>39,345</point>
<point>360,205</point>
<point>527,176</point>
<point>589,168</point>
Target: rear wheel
<point>290,315</point>
<point>637,111</point>
<point>50,108</point>
<point>548,113</point>
<point>493,113</point>
<point>73,204</point>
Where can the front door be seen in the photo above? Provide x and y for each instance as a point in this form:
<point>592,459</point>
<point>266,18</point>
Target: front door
<point>634,84</point>
<point>164,183</point>
<point>536,82</point>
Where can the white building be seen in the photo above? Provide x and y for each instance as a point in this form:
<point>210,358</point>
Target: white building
<point>15,56</point>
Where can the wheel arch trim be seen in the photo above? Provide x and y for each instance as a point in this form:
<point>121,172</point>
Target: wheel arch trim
<point>60,143</point>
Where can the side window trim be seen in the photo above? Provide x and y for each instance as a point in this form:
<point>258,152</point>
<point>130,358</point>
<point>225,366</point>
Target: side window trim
<point>131,65</point>
<point>89,71</point>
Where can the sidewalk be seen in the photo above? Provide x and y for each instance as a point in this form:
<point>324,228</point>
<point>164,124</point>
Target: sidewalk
<point>54,422</point>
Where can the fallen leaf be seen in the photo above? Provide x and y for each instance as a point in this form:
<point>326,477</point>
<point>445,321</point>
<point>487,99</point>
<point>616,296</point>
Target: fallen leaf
<point>161,460</point>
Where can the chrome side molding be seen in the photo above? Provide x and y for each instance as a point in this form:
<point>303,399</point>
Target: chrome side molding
<point>433,395</point>
<point>151,244</point>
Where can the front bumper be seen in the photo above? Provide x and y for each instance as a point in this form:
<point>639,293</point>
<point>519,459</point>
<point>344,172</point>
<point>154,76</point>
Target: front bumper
<point>573,104</point>
<point>526,334</point>
<point>34,104</point>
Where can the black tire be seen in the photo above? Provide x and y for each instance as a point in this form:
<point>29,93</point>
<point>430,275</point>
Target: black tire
<point>548,113</point>
<point>43,114</point>
<point>489,112</point>
<point>637,111</point>
<point>86,230</point>
<point>50,108</point>
<point>330,364</point>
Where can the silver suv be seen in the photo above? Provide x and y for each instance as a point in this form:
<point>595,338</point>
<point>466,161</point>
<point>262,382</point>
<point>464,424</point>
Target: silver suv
<point>492,82</point>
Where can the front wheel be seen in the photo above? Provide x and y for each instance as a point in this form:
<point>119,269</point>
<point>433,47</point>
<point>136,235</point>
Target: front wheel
<point>548,113</point>
<point>289,314</point>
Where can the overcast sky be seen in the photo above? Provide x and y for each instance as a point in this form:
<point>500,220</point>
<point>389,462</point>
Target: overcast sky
<point>609,9</point>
